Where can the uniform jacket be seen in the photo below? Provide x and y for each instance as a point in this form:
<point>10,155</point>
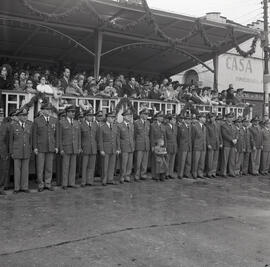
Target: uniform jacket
<point>44,134</point>
<point>247,139</point>
<point>198,136</point>
<point>69,137</point>
<point>4,139</point>
<point>89,138</point>
<point>20,140</point>
<point>108,139</point>
<point>184,137</point>
<point>157,132</point>
<point>126,136</point>
<point>266,139</point>
<point>228,132</point>
<point>141,135</point>
<point>256,136</point>
<point>213,136</point>
<point>240,145</point>
<point>171,138</point>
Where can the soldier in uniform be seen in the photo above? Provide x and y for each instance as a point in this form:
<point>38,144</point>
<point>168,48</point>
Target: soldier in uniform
<point>171,143</point>
<point>142,145</point>
<point>127,146</point>
<point>89,131</point>
<point>213,144</point>
<point>4,153</point>
<point>229,135</point>
<point>109,147</point>
<point>45,146</point>
<point>20,147</point>
<point>157,131</point>
<point>265,156</point>
<point>61,117</point>
<point>184,150</point>
<point>198,137</point>
<point>256,137</point>
<point>69,146</point>
<point>247,146</point>
<point>240,147</point>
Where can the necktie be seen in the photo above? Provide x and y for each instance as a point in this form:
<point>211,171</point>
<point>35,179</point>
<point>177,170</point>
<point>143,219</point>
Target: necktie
<point>89,124</point>
<point>128,126</point>
<point>47,120</point>
<point>23,126</point>
<point>71,122</point>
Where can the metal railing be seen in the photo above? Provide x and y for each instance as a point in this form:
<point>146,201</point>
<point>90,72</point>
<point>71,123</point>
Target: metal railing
<point>15,99</point>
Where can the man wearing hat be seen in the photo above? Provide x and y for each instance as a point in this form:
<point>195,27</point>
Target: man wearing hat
<point>109,147</point>
<point>45,146</point>
<point>184,149</point>
<point>198,137</point>
<point>69,145</point>
<point>142,145</point>
<point>213,144</point>
<point>257,143</point>
<point>229,135</point>
<point>89,148</point>
<point>20,147</point>
<point>157,131</point>
<point>171,143</point>
<point>247,145</point>
<point>240,147</point>
<point>265,156</point>
<point>127,145</point>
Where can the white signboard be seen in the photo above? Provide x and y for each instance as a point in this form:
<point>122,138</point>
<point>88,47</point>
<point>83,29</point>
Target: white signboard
<point>242,72</point>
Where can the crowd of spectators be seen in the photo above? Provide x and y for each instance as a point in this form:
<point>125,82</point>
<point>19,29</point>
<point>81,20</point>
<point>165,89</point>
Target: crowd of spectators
<point>112,85</point>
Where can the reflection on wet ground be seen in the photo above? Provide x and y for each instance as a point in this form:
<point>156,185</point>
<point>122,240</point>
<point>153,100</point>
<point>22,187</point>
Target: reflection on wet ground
<point>213,222</point>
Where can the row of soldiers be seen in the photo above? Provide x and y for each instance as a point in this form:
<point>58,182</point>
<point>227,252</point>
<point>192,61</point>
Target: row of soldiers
<point>196,147</point>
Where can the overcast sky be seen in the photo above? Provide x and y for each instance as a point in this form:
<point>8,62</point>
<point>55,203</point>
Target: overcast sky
<point>241,11</point>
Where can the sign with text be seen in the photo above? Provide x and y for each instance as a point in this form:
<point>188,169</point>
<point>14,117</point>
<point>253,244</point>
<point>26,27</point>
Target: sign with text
<point>242,72</point>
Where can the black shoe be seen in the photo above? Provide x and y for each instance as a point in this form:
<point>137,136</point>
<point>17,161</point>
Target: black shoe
<point>121,181</point>
<point>89,184</point>
<point>25,191</point>
<point>40,189</point>
<point>73,186</point>
<point>50,188</point>
<point>16,191</point>
<point>3,193</point>
<point>137,180</point>
<point>82,185</point>
<point>64,187</point>
<point>180,177</point>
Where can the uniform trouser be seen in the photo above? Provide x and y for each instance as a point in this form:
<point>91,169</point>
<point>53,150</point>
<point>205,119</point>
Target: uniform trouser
<point>44,169</point>
<point>126,165</point>
<point>171,162</point>
<point>246,158</point>
<point>58,169</point>
<point>212,161</point>
<point>141,163</point>
<point>255,160</point>
<point>198,163</point>
<point>265,162</point>
<point>4,172</point>
<point>88,168</point>
<point>228,161</point>
<point>21,174</point>
<point>68,169</point>
<point>239,160</point>
<point>108,165</point>
<point>184,163</point>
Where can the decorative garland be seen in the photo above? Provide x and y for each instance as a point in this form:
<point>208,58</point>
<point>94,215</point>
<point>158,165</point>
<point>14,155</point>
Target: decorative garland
<point>126,104</point>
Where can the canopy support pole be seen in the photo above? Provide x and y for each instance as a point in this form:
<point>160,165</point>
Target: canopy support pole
<point>215,64</point>
<point>98,49</point>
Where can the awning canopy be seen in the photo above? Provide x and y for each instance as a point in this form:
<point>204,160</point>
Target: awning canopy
<point>71,35</point>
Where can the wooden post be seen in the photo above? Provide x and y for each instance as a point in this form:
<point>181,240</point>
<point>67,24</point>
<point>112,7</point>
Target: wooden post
<point>98,50</point>
<point>215,65</point>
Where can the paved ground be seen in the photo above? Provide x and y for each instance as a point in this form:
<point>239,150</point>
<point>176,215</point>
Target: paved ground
<point>176,223</point>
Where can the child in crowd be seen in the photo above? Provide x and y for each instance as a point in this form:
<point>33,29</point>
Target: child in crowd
<point>160,160</point>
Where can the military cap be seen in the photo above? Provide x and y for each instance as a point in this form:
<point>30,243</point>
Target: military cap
<point>13,113</point>
<point>99,113</point>
<point>127,112</point>
<point>159,114</point>
<point>144,111</point>
<point>80,115</point>
<point>47,106</point>
<point>22,112</point>
<point>70,108</point>
<point>61,113</point>
<point>229,115</point>
<point>89,112</point>
<point>245,120</point>
<point>111,114</point>
<point>170,116</point>
<point>210,115</point>
<point>256,118</point>
<point>201,115</point>
<point>219,118</point>
<point>238,120</point>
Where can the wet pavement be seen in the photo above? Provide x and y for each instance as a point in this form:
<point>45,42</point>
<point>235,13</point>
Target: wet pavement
<point>217,222</point>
